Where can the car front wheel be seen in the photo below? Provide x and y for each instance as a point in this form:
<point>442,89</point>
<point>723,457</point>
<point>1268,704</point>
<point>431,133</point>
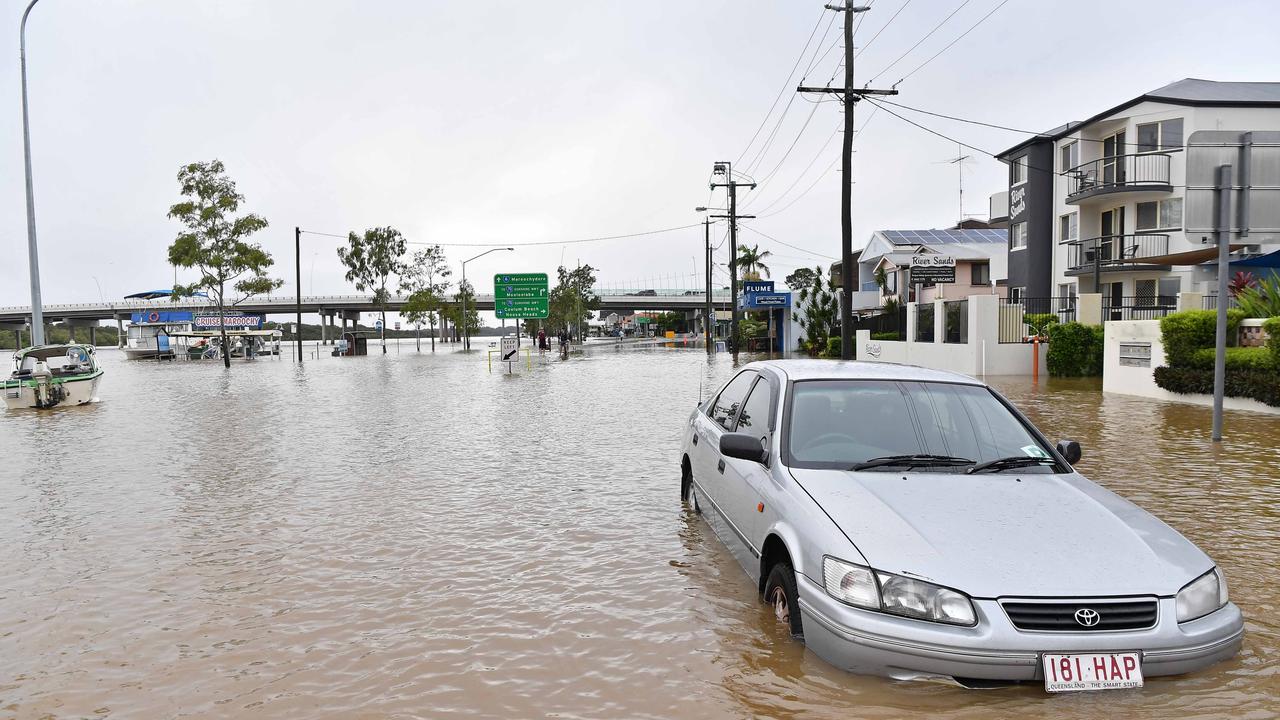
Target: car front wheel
<point>780,593</point>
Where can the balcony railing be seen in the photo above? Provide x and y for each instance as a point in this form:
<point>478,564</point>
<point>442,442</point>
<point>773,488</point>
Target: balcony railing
<point>1118,173</point>
<point>1112,250</point>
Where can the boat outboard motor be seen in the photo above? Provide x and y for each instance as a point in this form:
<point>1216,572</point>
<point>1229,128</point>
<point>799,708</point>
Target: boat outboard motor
<point>47,394</point>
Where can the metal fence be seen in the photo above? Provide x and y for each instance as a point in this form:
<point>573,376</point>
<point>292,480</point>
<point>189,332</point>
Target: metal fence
<point>1210,302</point>
<point>884,326</point>
<point>1138,307</point>
<point>924,322</point>
<point>1023,319</point>
<point>955,321</point>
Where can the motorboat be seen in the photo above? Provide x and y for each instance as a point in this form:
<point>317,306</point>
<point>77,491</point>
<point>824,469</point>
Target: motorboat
<point>46,376</point>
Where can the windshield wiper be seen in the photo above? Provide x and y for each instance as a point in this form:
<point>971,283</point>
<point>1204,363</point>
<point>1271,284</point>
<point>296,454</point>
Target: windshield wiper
<point>911,461</point>
<point>1005,463</point>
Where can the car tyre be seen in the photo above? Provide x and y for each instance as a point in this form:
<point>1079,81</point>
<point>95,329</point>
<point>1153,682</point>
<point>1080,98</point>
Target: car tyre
<point>692,499</point>
<point>781,595</point>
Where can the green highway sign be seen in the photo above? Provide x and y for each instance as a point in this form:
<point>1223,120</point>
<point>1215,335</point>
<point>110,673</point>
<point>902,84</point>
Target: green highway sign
<point>517,296</point>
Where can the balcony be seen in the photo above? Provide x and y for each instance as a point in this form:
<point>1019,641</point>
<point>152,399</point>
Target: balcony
<point>1148,172</point>
<point>1109,253</point>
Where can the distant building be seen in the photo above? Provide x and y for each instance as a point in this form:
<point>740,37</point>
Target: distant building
<point>1097,205</point>
<point>980,255</point>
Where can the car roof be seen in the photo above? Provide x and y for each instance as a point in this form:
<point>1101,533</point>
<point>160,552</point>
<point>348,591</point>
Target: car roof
<point>854,370</point>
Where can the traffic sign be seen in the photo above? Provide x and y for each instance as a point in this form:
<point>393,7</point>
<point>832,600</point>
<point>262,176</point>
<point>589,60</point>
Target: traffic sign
<point>377,324</point>
<point>520,295</point>
<point>510,347</point>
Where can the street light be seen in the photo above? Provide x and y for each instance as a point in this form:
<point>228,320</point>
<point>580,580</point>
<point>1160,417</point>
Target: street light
<point>37,312</point>
<point>466,335</point>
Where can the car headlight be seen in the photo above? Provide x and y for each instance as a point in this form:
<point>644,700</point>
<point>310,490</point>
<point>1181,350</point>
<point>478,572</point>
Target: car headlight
<point>866,588</point>
<point>1202,596</point>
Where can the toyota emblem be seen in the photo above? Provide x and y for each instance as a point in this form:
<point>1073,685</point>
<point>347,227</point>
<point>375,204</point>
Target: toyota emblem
<point>1087,617</point>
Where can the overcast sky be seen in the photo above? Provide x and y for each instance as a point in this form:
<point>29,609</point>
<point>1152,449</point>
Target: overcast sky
<point>474,122</point>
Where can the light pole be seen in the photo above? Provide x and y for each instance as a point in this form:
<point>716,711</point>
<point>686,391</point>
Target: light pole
<point>466,333</point>
<point>37,312</point>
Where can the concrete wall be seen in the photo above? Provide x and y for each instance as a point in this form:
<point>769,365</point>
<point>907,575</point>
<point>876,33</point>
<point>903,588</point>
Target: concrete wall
<point>982,355</point>
<point>1140,381</point>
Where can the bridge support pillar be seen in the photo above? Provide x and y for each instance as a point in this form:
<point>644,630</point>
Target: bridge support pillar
<point>324,336</point>
<point>120,338</point>
<point>93,335</point>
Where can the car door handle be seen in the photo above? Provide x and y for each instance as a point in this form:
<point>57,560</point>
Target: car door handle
<point>720,467</point>
<point>695,438</point>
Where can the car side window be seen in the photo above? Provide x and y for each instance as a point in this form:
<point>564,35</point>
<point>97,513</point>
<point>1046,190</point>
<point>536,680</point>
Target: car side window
<point>754,418</point>
<point>730,399</point>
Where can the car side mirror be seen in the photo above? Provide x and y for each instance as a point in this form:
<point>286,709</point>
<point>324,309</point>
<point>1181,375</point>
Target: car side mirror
<point>742,447</point>
<point>1069,449</point>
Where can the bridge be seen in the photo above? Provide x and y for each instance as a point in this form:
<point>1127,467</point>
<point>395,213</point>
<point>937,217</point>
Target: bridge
<point>347,307</point>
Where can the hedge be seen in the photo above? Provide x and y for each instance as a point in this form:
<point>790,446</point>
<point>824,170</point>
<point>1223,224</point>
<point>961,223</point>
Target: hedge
<point>1075,349</point>
<point>1272,327</point>
<point>1238,358</point>
<point>886,335</point>
<point>1185,332</point>
<point>1260,385</point>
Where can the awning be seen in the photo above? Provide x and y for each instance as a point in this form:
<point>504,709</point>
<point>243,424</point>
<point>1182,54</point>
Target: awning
<point>1190,257</point>
<point>1270,260</point>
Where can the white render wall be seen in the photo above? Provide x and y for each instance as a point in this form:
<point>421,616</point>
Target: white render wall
<point>982,355</point>
<point>1140,381</point>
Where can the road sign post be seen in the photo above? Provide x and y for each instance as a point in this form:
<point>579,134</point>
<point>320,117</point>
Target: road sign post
<point>520,296</point>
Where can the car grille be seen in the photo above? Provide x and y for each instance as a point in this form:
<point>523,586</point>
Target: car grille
<point>1062,615</point>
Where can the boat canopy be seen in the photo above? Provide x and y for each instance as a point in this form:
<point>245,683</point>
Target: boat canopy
<point>44,352</point>
<point>230,333</point>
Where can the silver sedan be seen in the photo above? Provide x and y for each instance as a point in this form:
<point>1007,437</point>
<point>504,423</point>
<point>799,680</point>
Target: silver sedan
<point>912,523</point>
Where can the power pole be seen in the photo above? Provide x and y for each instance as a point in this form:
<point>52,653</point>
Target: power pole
<point>726,169</point>
<point>850,96</point>
<point>709,321</point>
<point>297,267</point>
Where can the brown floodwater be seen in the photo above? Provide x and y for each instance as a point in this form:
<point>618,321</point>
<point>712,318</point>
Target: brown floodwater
<point>412,536</point>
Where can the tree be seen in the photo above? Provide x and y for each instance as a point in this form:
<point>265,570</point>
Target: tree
<point>572,300</point>
<point>819,312</point>
<point>214,241</point>
<point>802,277</point>
<point>425,278</point>
<point>454,312</point>
<point>371,260</point>
<point>751,262</point>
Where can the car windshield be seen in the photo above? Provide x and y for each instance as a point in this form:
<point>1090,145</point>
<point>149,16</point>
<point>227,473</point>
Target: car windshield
<point>843,423</point>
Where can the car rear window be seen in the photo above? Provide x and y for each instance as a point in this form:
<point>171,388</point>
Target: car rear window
<point>839,423</point>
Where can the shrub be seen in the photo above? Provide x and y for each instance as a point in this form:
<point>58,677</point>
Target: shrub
<point>833,347</point>
<point>1185,332</point>
<point>1262,299</point>
<point>1040,323</point>
<point>1272,328</point>
<point>1238,358</point>
<point>888,335</point>
<point>1075,349</point>
<point>1260,385</point>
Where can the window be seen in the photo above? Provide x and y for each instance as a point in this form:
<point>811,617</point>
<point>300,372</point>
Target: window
<point>1017,236</point>
<point>1163,135</point>
<point>1016,294</point>
<point>754,419</point>
<point>1162,215</point>
<point>837,423</point>
<point>1020,170</point>
<point>1069,227</point>
<point>1066,296</point>
<point>1169,289</point>
<point>1070,155</point>
<point>980,273</point>
<point>1146,290</point>
<point>730,398</point>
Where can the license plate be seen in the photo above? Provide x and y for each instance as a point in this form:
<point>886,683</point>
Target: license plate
<point>1092,671</point>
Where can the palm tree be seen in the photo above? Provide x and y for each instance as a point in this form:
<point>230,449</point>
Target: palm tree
<point>751,262</point>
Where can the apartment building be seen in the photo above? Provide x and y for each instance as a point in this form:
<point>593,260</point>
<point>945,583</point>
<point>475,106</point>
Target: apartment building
<point>1097,205</point>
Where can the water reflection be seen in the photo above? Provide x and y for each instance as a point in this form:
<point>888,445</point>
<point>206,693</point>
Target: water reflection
<point>410,535</point>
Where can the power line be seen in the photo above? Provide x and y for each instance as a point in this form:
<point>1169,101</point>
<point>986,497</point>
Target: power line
<point>821,175</point>
<point>541,243</point>
<point>921,40</point>
<point>769,175</point>
<point>882,28</point>
<point>800,176</point>
<point>793,247</point>
<point>953,42</point>
<point>786,84</point>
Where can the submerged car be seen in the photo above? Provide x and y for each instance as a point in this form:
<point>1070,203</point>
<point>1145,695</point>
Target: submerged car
<point>912,523</point>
